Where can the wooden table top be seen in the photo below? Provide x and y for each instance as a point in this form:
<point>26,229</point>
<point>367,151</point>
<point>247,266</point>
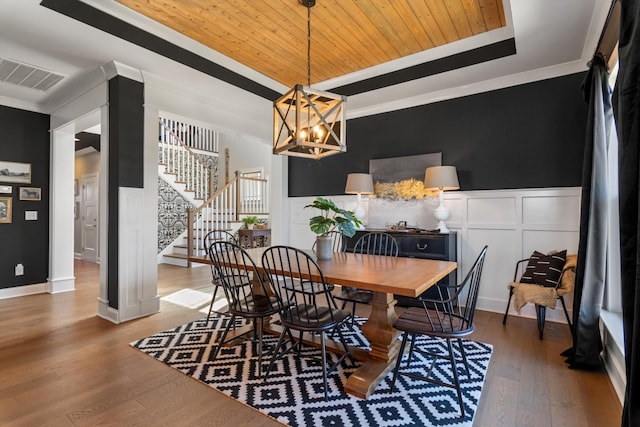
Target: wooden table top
<point>394,275</point>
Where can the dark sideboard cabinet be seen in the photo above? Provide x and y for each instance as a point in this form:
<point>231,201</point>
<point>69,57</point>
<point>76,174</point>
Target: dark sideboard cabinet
<point>419,245</point>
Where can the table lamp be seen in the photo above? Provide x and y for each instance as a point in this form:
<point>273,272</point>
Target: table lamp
<point>441,178</point>
<point>359,183</point>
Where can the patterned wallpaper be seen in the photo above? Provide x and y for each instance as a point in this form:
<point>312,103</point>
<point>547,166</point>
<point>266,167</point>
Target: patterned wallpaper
<point>212,162</point>
<point>172,214</point>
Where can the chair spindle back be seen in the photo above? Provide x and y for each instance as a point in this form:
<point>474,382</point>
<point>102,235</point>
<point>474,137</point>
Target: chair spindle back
<point>377,244</point>
<point>299,284</point>
<point>237,273</point>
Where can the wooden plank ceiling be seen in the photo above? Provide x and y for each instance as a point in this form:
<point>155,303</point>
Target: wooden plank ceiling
<point>270,36</point>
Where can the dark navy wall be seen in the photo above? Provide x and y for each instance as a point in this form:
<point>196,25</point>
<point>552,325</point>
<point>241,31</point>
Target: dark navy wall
<point>526,136</point>
<point>25,139</point>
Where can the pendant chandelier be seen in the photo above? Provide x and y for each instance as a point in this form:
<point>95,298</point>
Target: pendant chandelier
<point>307,122</point>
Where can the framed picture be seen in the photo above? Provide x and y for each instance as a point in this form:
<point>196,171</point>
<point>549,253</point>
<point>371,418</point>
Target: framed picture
<point>30,193</point>
<point>15,172</point>
<point>5,210</point>
<point>6,189</point>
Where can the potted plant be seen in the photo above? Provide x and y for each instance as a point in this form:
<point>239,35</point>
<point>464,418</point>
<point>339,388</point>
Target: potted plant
<point>332,218</point>
<point>262,224</point>
<point>250,221</point>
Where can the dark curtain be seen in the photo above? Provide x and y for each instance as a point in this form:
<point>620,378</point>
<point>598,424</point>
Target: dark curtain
<point>592,250</point>
<point>628,121</point>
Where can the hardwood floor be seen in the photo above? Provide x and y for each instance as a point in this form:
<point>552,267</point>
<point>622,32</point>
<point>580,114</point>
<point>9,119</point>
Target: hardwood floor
<point>61,365</point>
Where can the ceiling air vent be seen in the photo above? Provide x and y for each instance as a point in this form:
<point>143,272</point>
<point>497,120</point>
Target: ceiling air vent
<point>27,76</point>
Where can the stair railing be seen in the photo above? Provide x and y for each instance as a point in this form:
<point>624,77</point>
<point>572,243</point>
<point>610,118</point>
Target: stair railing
<point>241,196</point>
<point>181,161</point>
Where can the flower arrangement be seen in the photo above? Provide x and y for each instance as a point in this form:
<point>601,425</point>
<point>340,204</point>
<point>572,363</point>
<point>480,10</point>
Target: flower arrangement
<point>408,189</point>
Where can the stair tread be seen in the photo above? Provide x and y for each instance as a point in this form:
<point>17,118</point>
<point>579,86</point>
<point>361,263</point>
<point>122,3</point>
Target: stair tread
<point>175,255</point>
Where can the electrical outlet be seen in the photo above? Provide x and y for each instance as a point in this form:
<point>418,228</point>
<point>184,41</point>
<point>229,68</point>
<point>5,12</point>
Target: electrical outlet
<point>19,270</point>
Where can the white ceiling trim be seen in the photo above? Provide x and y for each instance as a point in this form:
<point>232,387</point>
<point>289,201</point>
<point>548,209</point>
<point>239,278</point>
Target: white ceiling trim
<point>19,103</point>
<point>466,90</point>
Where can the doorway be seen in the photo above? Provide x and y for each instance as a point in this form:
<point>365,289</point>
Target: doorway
<point>87,193</point>
<point>89,217</point>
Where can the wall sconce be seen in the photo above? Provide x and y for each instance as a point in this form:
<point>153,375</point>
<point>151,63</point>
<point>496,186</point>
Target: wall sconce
<point>359,183</point>
<point>441,178</point>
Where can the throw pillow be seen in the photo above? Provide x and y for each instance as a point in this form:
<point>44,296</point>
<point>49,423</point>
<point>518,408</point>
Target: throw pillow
<point>544,270</point>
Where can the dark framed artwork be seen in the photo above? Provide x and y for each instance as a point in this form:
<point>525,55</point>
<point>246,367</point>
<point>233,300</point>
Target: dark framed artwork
<point>15,172</point>
<point>5,210</point>
<point>30,193</point>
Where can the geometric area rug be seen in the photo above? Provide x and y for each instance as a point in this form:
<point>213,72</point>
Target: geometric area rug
<point>293,394</point>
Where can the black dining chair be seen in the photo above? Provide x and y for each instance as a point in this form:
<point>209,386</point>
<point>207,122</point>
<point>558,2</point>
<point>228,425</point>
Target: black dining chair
<point>210,238</point>
<point>246,292</point>
<point>449,318</point>
<point>374,243</point>
<point>307,305</point>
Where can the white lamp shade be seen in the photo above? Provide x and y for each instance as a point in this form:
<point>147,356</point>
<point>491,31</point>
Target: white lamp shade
<point>359,183</point>
<point>441,178</point>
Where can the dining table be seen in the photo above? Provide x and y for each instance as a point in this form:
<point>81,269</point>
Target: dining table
<point>385,277</point>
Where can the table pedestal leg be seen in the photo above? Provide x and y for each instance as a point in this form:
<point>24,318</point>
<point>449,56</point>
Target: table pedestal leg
<point>384,347</point>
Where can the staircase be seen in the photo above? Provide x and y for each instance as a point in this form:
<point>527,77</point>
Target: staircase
<point>186,152</point>
<point>184,165</point>
<point>224,210</point>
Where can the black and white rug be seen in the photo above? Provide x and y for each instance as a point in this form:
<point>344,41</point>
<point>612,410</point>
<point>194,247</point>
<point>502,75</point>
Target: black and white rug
<point>294,395</point>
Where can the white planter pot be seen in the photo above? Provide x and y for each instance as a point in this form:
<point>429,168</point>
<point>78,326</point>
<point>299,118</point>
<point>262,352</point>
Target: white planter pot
<point>324,247</point>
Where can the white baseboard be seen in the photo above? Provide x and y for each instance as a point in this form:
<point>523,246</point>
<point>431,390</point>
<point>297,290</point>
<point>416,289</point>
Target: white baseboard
<point>64,284</point>
<point>106,312</point>
<point>20,291</point>
<point>613,352</point>
<point>496,305</point>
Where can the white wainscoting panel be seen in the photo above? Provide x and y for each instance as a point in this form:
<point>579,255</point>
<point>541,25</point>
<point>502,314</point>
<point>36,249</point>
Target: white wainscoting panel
<point>130,252</point>
<point>502,245</point>
<point>553,211</point>
<point>383,212</point>
<point>491,211</point>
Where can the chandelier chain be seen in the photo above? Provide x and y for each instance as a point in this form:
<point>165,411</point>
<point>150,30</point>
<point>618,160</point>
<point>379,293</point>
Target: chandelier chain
<point>309,46</point>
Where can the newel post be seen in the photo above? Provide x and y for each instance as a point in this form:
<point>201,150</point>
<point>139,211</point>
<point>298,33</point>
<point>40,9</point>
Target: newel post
<point>238,194</point>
